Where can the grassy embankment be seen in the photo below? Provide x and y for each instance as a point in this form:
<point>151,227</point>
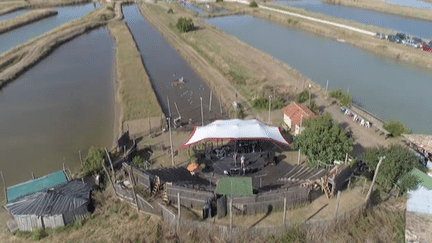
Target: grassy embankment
<point>398,52</point>
<point>135,92</point>
<point>225,63</point>
<point>22,57</point>
<point>385,7</point>
<point>11,6</point>
<point>25,19</point>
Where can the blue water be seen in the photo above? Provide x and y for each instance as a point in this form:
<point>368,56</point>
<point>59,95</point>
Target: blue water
<point>385,88</point>
<point>419,28</point>
<point>12,14</point>
<point>21,35</point>
<point>411,3</point>
<point>193,8</point>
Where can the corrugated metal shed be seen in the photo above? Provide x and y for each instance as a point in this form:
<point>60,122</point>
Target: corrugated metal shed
<point>35,185</point>
<point>420,200</point>
<point>235,186</point>
<point>62,198</point>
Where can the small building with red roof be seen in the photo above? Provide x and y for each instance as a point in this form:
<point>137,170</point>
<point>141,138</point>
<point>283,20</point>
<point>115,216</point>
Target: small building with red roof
<point>294,114</point>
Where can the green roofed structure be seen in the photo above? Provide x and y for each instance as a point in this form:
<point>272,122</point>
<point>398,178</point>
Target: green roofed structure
<point>235,186</point>
<point>32,186</point>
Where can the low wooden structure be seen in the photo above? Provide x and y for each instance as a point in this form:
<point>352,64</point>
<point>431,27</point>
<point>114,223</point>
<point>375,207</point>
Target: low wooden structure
<point>51,207</point>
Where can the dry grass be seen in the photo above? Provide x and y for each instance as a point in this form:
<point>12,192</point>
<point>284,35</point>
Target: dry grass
<point>135,92</point>
<point>384,7</point>
<point>22,57</point>
<point>25,19</point>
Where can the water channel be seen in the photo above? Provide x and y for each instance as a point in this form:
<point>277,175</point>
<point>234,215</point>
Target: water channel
<point>12,14</point>
<point>164,65</point>
<point>384,87</point>
<point>60,106</point>
<point>411,3</point>
<point>23,34</point>
<point>419,28</point>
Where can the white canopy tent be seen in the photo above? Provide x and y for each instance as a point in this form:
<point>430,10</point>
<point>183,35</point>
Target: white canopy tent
<point>235,129</point>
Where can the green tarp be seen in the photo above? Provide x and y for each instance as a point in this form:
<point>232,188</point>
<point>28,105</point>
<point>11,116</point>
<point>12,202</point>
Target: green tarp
<point>235,186</point>
<point>35,185</point>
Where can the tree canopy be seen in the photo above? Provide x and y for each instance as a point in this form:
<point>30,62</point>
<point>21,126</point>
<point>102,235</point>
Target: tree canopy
<point>396,128</point>
<point>323,141</point>
<point>398,161</point>
<point>184,24</point>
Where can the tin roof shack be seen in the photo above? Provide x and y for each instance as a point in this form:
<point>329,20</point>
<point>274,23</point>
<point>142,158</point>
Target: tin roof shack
<point>51,207</point>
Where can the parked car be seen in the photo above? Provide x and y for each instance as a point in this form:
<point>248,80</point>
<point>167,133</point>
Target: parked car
<point>410,42</point>
<point>402,36</point>
<point>419,40</point>
<point>394,38</point>
<point>380,35</point>
<point>427,48</point>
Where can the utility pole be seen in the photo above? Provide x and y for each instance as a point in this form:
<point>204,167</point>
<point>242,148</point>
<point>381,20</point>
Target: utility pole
<point>169,110</point>
<point>327,86</point>
<point>170,136</point>
<point>285,208</point>
<point>220,103</point>
<point>211,94</point>
<point>301,121</point>
<point>310,91</point>
<point>202,114</point>
<point>374,178</point>
<point>269,115</point>
<point>337,205</point>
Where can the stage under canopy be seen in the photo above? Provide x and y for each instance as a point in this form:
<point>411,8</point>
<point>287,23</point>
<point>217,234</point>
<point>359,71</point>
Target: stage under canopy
<point>235,129</point>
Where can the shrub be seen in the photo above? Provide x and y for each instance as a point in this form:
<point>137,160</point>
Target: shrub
<point>237,78</point>
<point>109,8</point>
<point>253,4</point>
<point>395,128</point>
<point>302,97</point>
<point>313,107</point>
<point>263,103</point>
<point>137,161</point>
<point>170,11</point>
<point>408,182</point>
<point>93,162</point>
<point>184,24</point>
<point>219,1</point>
<point>344,99</point>
<point>39,234</point>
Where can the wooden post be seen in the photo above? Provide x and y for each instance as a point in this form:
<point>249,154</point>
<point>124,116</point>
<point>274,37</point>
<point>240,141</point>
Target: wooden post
<point>178,210</point>
<point>346,158</point>
<point>337,206</point>
<point>112,167</point>
<point>171,144</point>
<point>298,160</point>
<point>80,156</point>
<point>4,186</point>
<point>106,171</point>
<point>33,176</point>
<point>220,104</point>
<point>231,214</point>
<point>133,188</point>
<point>149,124</point>
<point>374,178</point>
<point>285,207</point>
<point>202,114</point>
<point>211,94</point>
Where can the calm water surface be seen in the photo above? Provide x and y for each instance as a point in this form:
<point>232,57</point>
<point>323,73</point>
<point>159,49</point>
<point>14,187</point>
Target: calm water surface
<point>164,65</point>
<point>411,3</point>
<point>383,87</point>
<point>62,105</point>
<point>23,34</point>
<point>12,14</point>
<point>193,8</point>
<point>419,28</point>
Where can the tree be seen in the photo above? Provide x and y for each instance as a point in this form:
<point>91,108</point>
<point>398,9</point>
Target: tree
<point>398,162</point>
<point>263,103</point>
<point>253,4</point>
<point>408,182</point>
<point>137,161</point>
<point>93,162</point>
<point>170,11</point>
<point>395,128</point>
<point>184,24</point>
<point>344,99</point>
<point>323,141</point>
<point>302,97</point>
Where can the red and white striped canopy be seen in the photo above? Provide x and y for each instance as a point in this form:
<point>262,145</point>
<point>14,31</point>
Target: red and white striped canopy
<point>235,129</point>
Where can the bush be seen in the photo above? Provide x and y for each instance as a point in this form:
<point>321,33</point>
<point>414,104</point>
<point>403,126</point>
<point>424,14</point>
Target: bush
<point>93,162</point>
<point>170,11</point>
<point>313,107</point>
<point>237,78</point>
<point>344,99</point>
<point>109,8</point>
<point>408,182</point>
<point>137,161</point>
<point>219,1</point>
<point>39,234</point>
<point>302,97</point>
<point>184,24</point>
<point>263,103</point>
<point>253,4</point>
<point>395,128</point>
